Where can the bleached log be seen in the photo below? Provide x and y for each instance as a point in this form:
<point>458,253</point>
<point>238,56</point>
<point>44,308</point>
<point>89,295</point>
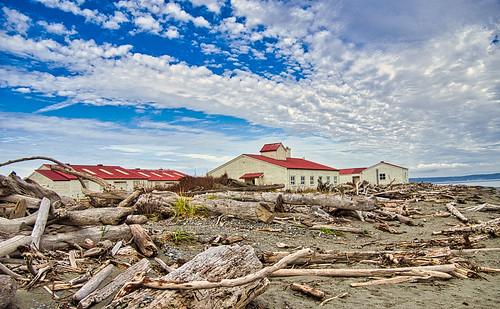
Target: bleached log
<point>93,283</point>
<point>31,202</point>
<point>454,211</point>
<point>365,272</point>
<point>484,207</point>
<point>307,290</point>
<point>10,245</point>
<point>136,219</point>
<point>95,233</point>
<point>41,221</point>
<point>158,203</point>
<point>482,227</point>
<point>5,270</point>
<point>19,210</point>
<point>403,279</point>
<point>15,225</point>
<point>131,198</point>
<point>143,241</point>
<point>214,264</point>
<point>94,216</point>
<point>243,210</point>
<point>101,294</point>
<point>395,216</point>
<point>14,184</point>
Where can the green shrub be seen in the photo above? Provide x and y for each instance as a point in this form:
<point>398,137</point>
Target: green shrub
<point>183,208</point>
<point>328,231</point>
<point>181,236</point>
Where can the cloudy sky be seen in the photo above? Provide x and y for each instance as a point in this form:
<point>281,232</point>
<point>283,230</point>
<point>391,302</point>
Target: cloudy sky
<point>190,84</point>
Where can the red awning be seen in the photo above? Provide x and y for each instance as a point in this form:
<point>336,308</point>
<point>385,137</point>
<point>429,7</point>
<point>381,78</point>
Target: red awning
<point>251,175</point>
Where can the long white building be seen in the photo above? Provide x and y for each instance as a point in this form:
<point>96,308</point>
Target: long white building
<point>382,173</point>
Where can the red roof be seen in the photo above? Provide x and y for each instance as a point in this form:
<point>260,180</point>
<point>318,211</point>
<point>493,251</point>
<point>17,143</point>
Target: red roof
<point>160,175</point>
<point>355,170</point>
<point>294,163</point>
<point>271,147</point>
<point>113,172</point>
<point>251,175</point>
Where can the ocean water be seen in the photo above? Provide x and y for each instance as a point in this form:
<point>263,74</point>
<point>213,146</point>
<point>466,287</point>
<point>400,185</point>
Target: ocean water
<point>483,183</point>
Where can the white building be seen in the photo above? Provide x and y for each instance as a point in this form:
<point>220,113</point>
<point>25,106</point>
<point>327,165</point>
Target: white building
<point>382,173</point>
<point>119,177</point>
<point>274,165</point>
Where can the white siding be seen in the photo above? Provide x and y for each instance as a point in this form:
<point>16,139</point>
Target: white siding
<point>391,172</point>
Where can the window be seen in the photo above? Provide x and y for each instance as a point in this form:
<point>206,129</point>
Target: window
<point>320,179</point>
<point>335,179</point>
<point>327,178</point>
<point>311,180</point>
<point>382,176</point>
<point>302,180</point>
<point>292,180</point>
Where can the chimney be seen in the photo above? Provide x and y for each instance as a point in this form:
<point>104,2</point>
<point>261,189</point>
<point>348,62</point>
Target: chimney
<point>288,153</point>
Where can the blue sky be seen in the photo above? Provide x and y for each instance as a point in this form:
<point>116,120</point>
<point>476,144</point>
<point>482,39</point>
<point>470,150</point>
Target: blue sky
<point>190,84</point>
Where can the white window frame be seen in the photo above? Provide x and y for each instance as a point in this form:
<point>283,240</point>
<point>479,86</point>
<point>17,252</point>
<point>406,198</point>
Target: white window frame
<point>302,180</point>
<point>328,179</point>
<point>382,176</point>
<point>335,179</point>
<point>311,180</point>
<point>292,180</point>
<point>320,178</point>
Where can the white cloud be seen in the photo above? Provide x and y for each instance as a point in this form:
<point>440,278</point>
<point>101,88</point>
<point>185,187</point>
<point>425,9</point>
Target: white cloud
<point>172,33</point>
<point>56,28</point>
<point>201,22</point>
<point>147,23</point>
<point>16,21</point>
<point>210,48</point>
<point>212,5</point>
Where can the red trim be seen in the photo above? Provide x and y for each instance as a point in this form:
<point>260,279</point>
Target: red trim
<point>251,175</point>
<point>271,147</point>
<point>355,170</point>
<point>293,163</point>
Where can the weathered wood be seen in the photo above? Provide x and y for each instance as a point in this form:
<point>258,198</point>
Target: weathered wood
<point>488,226</point>
<point>258,211</point>
<point>41,221</point>
<point>307,290</point>
<point>143,241</point>
<point>19,211</point>
<point>5,270</point>
<point>96,234</point>
<point>454,211</point>
<point>101,294</point>
<point>93,283</point>
<point>214,264</point>
<point>10,245</point>
<point>31,202</point>
<point>395,216</point>
<point>156,203</point>
<point>404,279</point>
<point>136,219</point>
<point>365,272</point>
<point>94,216</point>
<point>14,184</point>
<point>8,288</point>
<point>131,198</point>
<point>164,265</point>
<point>484,207</point>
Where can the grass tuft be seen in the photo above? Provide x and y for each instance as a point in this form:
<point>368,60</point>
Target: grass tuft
<point>328,231</point>
<point>183,208</point>
<point>181,236</point>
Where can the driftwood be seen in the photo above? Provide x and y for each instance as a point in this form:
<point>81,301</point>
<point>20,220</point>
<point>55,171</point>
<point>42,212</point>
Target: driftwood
<point>41,221</point>
<point>14,184</point>
<point>307,290</point>
<point>124,277</point>
<point>96,234</point>
<point>395,216</point>
<point>93,283</point>
<point>429,275</point>
<point>136,219</point>
<point>8,288</point>
<point>486,227</point>
<point>15,225</point>
<point>143,241</point>
<point>454,211</point>
<point>484,207</point>
<point>5,270</point>
<point>366,272</point>
<point>10,245</point>
<point>159,203</point>
<point>94,216</point>
<point>19,210</point>
<point>214,265</point>
<point>31,202</point>
<point>243,210</point>
<point>131,198</point>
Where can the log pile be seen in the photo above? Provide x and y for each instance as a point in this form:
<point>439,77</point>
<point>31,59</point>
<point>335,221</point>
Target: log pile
<point>87,252</point>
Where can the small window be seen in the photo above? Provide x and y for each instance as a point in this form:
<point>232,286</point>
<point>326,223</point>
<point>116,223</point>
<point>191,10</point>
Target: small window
<point>311,180</point>
<point>302,180</point>
<point>320,178</point>
<point>335,179</point>
<point>382,176</point>
<point>327,178</point>
<point>292,180</point>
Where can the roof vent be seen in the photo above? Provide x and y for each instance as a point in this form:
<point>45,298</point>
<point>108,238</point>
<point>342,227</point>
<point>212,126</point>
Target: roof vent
<point>99,164</point>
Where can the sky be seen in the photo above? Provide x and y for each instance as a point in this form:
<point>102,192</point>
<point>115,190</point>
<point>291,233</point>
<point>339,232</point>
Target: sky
<point>190,84</point>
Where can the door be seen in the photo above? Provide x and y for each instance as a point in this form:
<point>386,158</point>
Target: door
<point>355,179</point>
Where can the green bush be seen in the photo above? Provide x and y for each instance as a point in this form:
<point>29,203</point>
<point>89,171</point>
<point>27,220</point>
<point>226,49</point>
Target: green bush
<point>183,208</point>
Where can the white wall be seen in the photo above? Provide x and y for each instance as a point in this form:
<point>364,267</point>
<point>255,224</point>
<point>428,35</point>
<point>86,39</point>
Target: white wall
<point>279,154</point>
<point>348,178</point>
<point>298,173</point>
<point>398,174</point>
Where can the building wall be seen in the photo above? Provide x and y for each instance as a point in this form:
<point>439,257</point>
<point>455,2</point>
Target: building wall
<point>348,177</point>
<point>279,154</point>
<point>391,172</point>
<point>241,165</point>
<point>307,174</point>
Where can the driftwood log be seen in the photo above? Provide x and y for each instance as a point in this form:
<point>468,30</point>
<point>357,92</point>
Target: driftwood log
<point>31,202</point>
<point>10,245</point>
<point>101,294</point>
<point>15,185</point>
<point>94,216</point>
<point>259,211</point>
<point>214,264</point>
<point>485,227</point>
<point>41,222</point>
<point>93,283</point>
<point>15,225</point>
<point>143,241</point>
<point>454,211</point>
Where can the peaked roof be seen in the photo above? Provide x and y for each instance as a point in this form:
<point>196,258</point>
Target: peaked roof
<point>383,162</point>
<point>271,147</point>
<point>354,170</point>
<point>112,172</point>
<point>251,175</point>
<point>293,163</point>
